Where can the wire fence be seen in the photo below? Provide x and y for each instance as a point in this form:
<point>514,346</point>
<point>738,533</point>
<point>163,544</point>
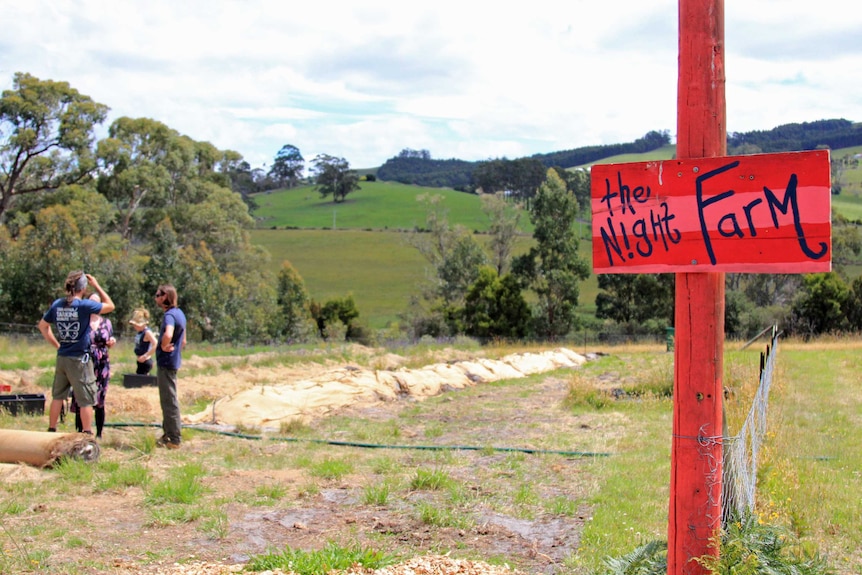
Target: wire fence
<point>574,339</point>
<point>741,452</point>
<point>577,340</point>
<point>24,330</point>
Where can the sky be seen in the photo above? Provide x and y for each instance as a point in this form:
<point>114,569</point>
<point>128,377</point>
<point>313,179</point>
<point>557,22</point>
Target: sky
<point>469,80</point>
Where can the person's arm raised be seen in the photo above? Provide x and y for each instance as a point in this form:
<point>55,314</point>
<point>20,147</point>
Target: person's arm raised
<point>107,302</point>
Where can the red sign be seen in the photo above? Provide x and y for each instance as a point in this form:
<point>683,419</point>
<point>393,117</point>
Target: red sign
<point>765,213</point>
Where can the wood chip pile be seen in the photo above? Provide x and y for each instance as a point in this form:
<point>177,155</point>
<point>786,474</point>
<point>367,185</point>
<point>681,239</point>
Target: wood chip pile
<point>423,565</point>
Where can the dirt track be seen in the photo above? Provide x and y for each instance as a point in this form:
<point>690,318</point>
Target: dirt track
<point>121,536</point>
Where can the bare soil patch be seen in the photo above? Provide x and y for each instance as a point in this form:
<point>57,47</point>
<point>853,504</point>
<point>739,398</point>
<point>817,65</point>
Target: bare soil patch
<point>503,493</point>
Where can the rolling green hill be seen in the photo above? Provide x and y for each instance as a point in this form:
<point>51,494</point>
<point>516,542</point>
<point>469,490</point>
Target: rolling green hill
<point>375,206</point>
<point>359,247</point>
<point>849,205</point>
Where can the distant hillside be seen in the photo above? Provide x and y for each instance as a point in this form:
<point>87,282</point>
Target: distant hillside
<point>419,168</point>
<point>832,134</point>
<point>664,153</point>
<point>590,154</point>
<point>382,205</point>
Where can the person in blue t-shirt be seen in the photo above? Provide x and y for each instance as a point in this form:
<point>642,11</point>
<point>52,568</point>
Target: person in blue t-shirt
<point>172,340</point>
<point>74,368</point>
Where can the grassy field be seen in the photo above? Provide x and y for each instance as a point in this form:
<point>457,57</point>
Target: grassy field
<point>199,503</point>
<point>357,247</point>
<point>851,179</point>
<point>811,476</point>
<point>849,205</point>
<point>375,206</point>
<point>380,269</point>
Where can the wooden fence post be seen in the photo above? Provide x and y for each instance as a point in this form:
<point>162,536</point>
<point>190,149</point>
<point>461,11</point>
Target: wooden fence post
<point>696,455</point>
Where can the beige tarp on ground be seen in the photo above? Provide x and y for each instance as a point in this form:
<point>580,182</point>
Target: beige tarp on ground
<point>268,406</point>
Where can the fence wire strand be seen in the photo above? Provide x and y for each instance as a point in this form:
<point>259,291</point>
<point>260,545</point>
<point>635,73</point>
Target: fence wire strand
<point>743,450</point>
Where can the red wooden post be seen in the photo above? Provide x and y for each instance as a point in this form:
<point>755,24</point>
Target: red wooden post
<point>768,213</point>
<point>695,483</point>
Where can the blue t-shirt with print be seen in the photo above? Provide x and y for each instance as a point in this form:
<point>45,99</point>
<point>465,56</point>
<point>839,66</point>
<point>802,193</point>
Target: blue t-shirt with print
<point>72,320</point>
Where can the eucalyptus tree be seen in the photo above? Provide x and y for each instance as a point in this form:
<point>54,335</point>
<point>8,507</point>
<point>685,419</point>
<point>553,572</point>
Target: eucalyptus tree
<point>552,268</point>
<point>454,257</point>
<point>293,301</point>
<point>60,237</point>
<point>243,180</point>
<point>578,183</point>
<point>218,217</point>
<point>503,230</point>
<point>33,266</point>
<point>494,307</point>
<point>334,177</point>
<point>287,166</point>
<point>138,162</point>
<point>821,306</point>
<point>519,177</point>
<point>46,137</point>
<point>635,299</point>
<point>853,304</point>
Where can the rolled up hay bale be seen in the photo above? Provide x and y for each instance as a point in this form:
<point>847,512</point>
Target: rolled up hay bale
<point>42,449</point>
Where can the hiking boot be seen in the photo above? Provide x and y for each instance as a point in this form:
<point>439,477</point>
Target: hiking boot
<point>167,443</point>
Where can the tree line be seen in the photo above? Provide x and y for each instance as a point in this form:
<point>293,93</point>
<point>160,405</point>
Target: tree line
<point>833,134</point>
<point>417,167</point>
<point>146,205</point>
<point>142,206</point>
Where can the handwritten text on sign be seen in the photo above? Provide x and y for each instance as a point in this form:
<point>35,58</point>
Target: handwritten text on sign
<point>766,213</point>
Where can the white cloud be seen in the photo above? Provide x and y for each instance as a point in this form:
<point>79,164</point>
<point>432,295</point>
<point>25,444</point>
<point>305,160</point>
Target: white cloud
<point>461,79</point>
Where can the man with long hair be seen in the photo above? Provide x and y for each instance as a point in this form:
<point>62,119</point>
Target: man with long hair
<point>172,340</point>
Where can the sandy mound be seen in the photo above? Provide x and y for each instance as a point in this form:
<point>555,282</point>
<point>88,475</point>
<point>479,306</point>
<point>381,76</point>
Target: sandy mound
<point>304,399</point>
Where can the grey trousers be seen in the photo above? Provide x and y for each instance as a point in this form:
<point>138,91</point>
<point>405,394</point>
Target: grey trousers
<point>171,421</point>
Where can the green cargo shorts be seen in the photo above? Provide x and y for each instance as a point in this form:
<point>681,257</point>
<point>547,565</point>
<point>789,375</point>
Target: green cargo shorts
<point>75,374</point>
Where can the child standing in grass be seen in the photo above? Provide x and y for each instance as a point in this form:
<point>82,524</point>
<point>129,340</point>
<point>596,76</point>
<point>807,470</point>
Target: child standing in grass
<point>145,341</point>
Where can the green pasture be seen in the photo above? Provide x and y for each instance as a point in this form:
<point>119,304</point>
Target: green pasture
<point>808,479</point>
<point>851,177</point>
<point>392,206</point>
<point>359,247</point>
<point>381,270</point>
<point>841,152</point>
<point>848,204</point>
<point>811,476</point>
<point>375,206</point>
